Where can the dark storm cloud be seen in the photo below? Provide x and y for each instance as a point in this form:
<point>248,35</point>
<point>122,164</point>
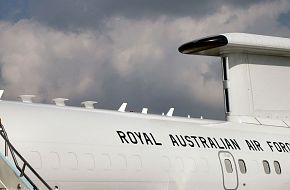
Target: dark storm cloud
<point>284,19</point>
<point>138,65</point>
<point>13,10</point>
<point>159,87</point>
<point>125,51</point>
<point>71,14</point>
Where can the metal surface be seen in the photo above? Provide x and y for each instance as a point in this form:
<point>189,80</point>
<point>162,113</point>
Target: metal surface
<point>16,154</point>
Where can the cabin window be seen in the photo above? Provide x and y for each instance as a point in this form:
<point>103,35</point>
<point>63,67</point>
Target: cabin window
<point>89,161</point>
<point>122,162</point>
<point>106,161</point>
<point>229,166</point>
<point>136,161</point>
<point>35,158</point>
<point>72,160</point>
<point>277,167</point>
<point>266,167</point>
<point>203,165</point>
<point>165,163</point>
<point>242,166</point>
<point>193,166</point>
<point>179,164</point>
<point>54,160</point>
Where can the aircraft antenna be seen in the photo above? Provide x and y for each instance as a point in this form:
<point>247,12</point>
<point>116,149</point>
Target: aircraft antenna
<point>145,110</point>
<point>26,98</point>
<point>170,112</point>
<point>1,93</point>
<point>123,107</point>
<point>89,104</point>
<point>60,101</point>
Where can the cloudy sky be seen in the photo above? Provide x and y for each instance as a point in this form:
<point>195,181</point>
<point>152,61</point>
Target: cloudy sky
<point>115,51</point>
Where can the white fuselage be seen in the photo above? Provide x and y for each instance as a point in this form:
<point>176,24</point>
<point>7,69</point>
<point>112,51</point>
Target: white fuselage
<point>77,148</point>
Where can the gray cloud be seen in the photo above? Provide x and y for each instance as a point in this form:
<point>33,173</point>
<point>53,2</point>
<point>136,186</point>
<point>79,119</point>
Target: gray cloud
<point>284,19</point>
<point>119,67</point>
<point>71,14</point>
<point>129,59</point>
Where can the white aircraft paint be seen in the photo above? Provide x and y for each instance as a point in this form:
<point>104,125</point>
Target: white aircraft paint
<point>123,107</point>
<point>78,148</point>
<point>89,104</point>
<point>144,110</point>
<point>170,112</point>
<point>27,98</point>
<point>60,101</point>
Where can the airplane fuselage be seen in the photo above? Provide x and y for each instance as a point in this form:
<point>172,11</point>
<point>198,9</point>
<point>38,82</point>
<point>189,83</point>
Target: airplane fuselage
<point>78,148</point>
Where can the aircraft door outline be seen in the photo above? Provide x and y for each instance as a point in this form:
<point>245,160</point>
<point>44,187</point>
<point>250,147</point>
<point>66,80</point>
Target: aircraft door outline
<point>229,170</point>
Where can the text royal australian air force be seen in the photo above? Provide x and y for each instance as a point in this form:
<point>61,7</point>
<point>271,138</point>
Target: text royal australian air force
<point>198,141</point>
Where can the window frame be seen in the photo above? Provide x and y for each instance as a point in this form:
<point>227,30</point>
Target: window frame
<point>277,167</point>
<point>266,167</point>
<point>244,171</point>
<point>228,166</point>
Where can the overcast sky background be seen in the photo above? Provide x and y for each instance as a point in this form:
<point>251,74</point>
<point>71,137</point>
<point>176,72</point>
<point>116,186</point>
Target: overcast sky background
<point>115,51</point>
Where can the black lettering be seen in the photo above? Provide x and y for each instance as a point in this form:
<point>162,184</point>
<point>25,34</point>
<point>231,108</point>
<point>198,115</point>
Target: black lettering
<point>156,143</point>
<point>122,136</point>
<point>223,143</point>
<point>228,144</point>
<point>132,137</point>
<point>194,137</point>
<point>277,146</point>
<point>211,143</point>
<point>139,136</point>
<point>174,142</point>
<point>258,145</point>
<point>203,141</point>
<point>220,147</point>
<point>254,146</point>
<point>283,147</point>
<point>235,143</point>
<point>288,146</point>
<point>147,139</point>
<point>270,145</point>
<point>250,146</point>
<point>190,143</point>
<point>182,143</point>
